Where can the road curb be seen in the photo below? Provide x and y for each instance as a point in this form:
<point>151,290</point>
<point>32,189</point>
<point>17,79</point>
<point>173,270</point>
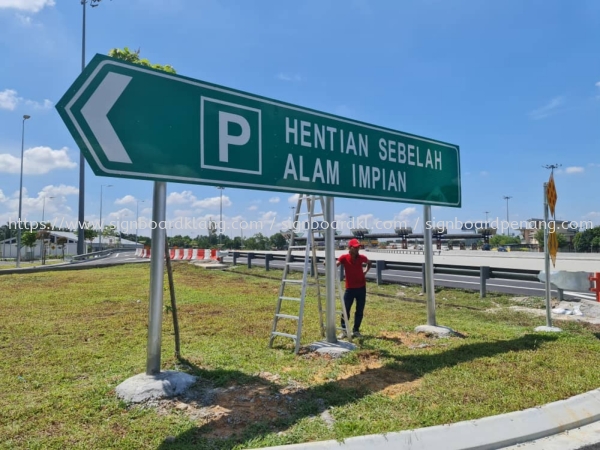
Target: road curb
<point>489,433</point>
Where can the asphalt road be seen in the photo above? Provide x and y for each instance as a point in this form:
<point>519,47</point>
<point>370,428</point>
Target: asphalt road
<point>511,287</point>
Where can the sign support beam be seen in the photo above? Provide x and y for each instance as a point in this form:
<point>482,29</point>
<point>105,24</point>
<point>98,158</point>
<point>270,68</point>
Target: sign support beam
<point>331,268</point>
<point>428,251</point>
<point>547,259</point>
<point>157,267</point>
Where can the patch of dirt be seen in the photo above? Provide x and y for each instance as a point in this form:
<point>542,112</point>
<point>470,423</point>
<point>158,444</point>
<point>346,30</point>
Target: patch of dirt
<point>371,376</point>
<point>410,340</point>
<point>226,411</point>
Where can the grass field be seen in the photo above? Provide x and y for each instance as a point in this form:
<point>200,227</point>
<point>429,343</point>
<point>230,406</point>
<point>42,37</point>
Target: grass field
<point>67,339</point>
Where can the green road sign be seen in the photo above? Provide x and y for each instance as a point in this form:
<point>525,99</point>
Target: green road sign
<point>134,122</point>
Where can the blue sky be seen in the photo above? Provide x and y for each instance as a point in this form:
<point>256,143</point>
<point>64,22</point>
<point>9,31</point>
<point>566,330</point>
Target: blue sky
<point>516,84</point>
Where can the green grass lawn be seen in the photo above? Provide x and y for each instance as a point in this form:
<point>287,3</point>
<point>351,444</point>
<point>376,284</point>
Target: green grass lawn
<point>13,265</point>
<point>67,339</point>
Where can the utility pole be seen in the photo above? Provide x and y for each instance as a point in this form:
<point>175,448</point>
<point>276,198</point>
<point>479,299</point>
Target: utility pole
<point>220,215</point>
<point>137,219</point>
<point>486,218</point>
<point>81,213</point>
<point>25,117</point>
<point>548,326</point>
<point>507,198</point>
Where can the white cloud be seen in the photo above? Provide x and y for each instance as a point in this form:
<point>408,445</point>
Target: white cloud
<point>178,198</point>
<point>51,200</point>
<point>9,99</point>
<point>274,200</point>
<point>574,169</point>
<point>593,165</point>
<point>405,214</point>
<point>252,208</point>
<point>59,191</point>
<point>122,215</point>
<point>484,173</point>
<point>293,199</point>
<point>33,6</point>
<point>548,109</point>
<point>125,200</point>
<point>37,161</point>
<point>289,77</point>
<point>212,202</point>
<point>598,84</point>
<point>25,20</point>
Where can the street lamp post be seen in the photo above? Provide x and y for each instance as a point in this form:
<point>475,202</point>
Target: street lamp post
<point>25,117</point>
<point>44,207</point>
<point>137,218</point>
<point>507,198</point>
<point>81,215</point>
<point>221,215</point>
<point>486,218</point>
<point>101,227</point>
<point>43,238</point>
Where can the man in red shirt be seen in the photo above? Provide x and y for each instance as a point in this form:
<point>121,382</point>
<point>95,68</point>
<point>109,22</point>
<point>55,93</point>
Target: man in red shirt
<point>356,284</point>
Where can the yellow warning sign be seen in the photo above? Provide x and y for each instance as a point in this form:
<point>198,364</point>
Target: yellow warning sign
<point>552,246</point>
<point>551,194</point>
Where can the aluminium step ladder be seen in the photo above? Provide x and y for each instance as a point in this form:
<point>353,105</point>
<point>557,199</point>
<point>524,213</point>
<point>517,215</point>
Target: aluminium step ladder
<point>309,268</point>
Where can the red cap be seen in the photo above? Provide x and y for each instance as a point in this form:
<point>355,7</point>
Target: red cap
<point>354,243</point>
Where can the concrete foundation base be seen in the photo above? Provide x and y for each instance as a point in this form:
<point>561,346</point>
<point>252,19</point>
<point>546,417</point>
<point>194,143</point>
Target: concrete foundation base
<point>433,331</point>
<point>141,388</point>
<point>335,350</point>
<point>549,329</point>
<point>214,265</point>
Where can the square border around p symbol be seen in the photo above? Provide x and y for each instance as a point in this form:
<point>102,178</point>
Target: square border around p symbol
<point>203,165</point>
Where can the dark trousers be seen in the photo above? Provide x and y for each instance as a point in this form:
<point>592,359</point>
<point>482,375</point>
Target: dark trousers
<point>360,295</point>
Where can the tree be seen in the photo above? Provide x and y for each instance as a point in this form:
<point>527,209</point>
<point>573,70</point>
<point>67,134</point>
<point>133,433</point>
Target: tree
<point>500,239</point>
<point>42,235</point>
<point>28,239</point>
<point>134,57</point>
<point>539,236</point>
<point>584,240</point>
<point>89,233</point>
<point>62,242</point>
<point>278,241</point>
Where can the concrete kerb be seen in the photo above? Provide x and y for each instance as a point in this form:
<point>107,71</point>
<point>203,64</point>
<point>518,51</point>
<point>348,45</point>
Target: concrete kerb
<point>489,433</point>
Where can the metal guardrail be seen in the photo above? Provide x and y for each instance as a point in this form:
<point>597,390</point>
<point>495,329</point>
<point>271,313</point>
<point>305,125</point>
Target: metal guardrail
<point>100,254</point>
<point>484,272</point>
<point>401,251</point>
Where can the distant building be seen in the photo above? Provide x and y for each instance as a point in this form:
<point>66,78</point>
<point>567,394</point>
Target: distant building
<point>8,247</point>
<point>534,225</point>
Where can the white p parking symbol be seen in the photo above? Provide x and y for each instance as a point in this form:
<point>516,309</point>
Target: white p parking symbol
<point>226,139</point>
<point>230,137</point>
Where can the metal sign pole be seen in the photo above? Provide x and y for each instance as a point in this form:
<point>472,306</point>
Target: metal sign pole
<point>157,267</point>
<point>330,267</point>
<point>547,258</point>
<point>428,251</point>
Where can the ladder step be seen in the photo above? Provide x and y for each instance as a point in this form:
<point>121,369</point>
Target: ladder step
<point>277,333</point>
<point>297,246</point>
<point>287,316</point>
<point>293,281</point>
<point>295,299</point>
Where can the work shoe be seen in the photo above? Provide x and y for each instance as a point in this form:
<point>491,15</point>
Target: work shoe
<point>356,334</point>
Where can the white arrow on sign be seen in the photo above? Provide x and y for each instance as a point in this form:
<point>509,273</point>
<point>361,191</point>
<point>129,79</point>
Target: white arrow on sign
<point>97,108</point>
